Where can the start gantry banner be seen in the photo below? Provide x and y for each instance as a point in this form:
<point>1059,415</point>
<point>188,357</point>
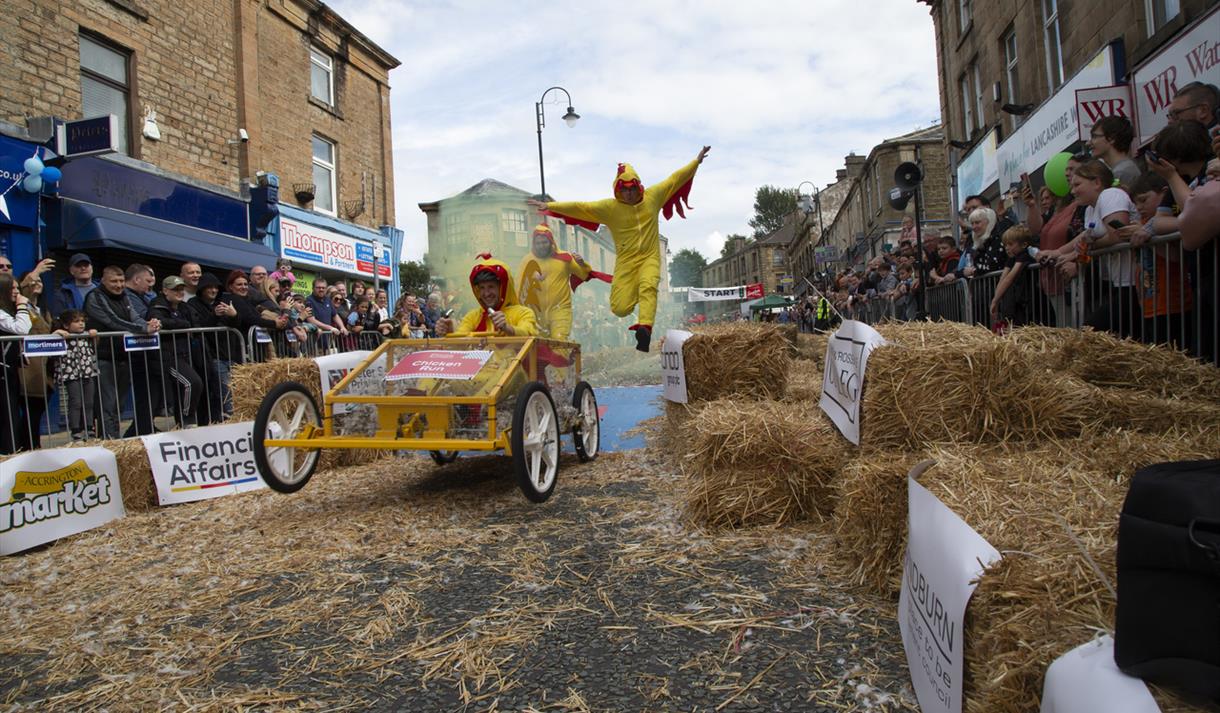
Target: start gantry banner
<point>717,294</point>
<point>53,493</point>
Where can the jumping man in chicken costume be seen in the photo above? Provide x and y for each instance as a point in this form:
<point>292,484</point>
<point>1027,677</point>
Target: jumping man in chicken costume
<point>549,275</point>
<point>631,216</point>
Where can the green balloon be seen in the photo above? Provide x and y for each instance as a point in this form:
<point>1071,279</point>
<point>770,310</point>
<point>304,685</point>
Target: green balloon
<point>1055,173</point>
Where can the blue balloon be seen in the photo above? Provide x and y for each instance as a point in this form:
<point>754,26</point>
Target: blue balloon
<point>32,184</point>
<point>50,174</point>
<point>33,166</point>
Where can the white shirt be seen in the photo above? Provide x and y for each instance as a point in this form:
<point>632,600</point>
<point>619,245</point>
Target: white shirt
<point>1118,268</point>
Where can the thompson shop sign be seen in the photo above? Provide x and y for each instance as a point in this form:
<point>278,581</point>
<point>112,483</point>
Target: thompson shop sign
<point>312,246</point>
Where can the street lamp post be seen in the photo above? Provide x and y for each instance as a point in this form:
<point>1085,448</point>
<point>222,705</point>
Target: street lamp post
<point>570,117</point>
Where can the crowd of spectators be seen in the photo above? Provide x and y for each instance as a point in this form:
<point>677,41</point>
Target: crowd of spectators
<point>103,380</point>
<point>1032,259</point>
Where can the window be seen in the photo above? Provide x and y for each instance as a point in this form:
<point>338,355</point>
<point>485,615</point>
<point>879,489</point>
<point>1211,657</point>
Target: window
<point>455,227</point>
<point>324,175</point>
<point>105,86</point>
<point>967,103</point>
<point>1010,73</point>
<point>1054,50</point>
<point>513,221</point>
<point>1160,12</point>
<point>978,94</point>
<point>777,258</point>
<point>965,14</point>
<point>321,77</point>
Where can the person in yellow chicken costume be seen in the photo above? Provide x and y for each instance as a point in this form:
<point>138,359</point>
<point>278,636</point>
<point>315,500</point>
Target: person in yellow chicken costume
<point>548,276</point>
<point>498,308</point>
<point>631,216</point>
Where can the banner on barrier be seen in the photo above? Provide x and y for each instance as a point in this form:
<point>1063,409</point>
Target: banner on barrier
<point>944,558</point>
<point>333,367</point>
<point>673,369</point>
<point>44,345</point>
<point>846,356</point>
<point>141,342</point>
<point>203,463</point>
<point>439,364</point>
<point>53,493</point>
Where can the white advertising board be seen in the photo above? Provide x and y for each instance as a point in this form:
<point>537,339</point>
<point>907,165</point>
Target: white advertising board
<point>944,556</point>
<point>978,170</point>
<point>203,463</point>
<point>1094,104</point>
<point>313,246</point>
<point>673,370</point>
<point>1193,57</point>
<point>842,381</point>
<point>53,493</point>
<point>333,367</point>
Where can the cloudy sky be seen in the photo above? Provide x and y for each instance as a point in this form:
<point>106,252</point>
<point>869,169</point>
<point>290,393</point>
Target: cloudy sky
<point>782,91</point>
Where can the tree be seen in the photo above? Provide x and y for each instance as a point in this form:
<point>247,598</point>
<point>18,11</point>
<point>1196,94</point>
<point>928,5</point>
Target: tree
<point>415,276</point>
<point>686,268</point>
<point>771,205</point>
<point>727,249</point>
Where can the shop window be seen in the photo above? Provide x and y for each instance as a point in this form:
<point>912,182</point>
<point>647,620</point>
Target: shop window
<point>321,76</point>
<point>1160,12</point>
<point>324,175</point>
<point>105,85</point>
<point>1054,46</point>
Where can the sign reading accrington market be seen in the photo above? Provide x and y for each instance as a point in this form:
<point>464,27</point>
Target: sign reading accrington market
<point>56,492</point>
<point>310,245</point>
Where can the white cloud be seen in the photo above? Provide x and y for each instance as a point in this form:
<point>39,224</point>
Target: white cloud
<point>781,90</point>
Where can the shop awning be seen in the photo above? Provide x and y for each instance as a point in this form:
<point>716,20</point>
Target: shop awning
<point>85,226</point>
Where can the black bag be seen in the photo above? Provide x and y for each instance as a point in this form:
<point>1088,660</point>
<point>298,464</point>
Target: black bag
<point>1168,622</point>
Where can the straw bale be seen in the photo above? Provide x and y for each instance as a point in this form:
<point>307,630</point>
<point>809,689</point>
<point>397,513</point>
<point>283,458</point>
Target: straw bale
<point>1040,507</point>
<point>812,346</point>
<point>1103,359</point>
<point>948,382</point>
<point>804,381</point>
<point>743,359</point>
<point>760,462</point>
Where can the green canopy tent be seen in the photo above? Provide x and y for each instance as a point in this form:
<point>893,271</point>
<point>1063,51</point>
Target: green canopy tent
<point>770,302</point>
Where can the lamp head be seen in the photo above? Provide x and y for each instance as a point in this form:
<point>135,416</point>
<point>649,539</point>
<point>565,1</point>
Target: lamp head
<point>571,117</point>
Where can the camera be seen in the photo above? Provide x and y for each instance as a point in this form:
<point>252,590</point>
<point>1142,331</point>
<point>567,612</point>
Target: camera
<point>243,136</point>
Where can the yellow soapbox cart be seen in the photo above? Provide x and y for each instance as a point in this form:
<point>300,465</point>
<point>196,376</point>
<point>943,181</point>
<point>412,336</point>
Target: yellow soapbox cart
<point>474,392</point>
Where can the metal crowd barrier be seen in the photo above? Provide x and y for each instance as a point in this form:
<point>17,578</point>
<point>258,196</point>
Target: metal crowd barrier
<point>114,384</point>
<point>264,344</point>
<point>1157,293</point>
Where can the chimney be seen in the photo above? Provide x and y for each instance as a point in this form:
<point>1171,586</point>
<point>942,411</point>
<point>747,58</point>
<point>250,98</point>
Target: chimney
<point>840,175</point>
<point>855,164</point>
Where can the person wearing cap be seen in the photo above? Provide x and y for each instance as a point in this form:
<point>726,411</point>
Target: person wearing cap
<point>631,216</point>
<point>182,380</point>
<point>72,291</point>
<point>547,277</point>
<point>498,309</point>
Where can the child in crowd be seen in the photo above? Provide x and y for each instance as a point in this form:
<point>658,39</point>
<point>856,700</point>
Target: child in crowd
<point>283,273</point>
<point>77,372</point>
<point>946,252</point>
<point>361,318</point>
<point>1164,290</point>
<point>904,305</point>
<point>1011,305</point>
<point>294,332</point>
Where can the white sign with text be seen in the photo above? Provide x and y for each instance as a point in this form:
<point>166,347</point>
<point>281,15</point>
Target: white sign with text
<point>56,492</point>
<point>673,369</point>
<point>203,463</point>
<point>842,381</point>
<point>944,558</point>
<point>1086,680</point>
<point>333,367</point>
<point>1193,57</point>
<point>1092,105</point>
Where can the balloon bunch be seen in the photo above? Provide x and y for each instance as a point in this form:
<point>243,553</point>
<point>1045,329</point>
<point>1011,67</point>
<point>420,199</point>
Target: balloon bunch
<point>37,174</point>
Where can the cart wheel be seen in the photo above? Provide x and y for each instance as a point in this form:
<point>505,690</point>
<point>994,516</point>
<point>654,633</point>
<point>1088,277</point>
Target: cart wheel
<point>284,413</point>
<point>535,442</point>
<point>587,433</point>
<point>443,457</point>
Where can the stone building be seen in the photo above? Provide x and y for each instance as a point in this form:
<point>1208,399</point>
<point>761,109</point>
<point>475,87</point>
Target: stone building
<point>1010,73</point>
<point>214,100</point>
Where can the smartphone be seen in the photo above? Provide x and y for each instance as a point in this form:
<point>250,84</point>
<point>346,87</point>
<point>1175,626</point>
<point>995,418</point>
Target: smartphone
<point>1025,184</point>
<point>448,313</point>
<point>1116,224</point>
<point>1151,156</point>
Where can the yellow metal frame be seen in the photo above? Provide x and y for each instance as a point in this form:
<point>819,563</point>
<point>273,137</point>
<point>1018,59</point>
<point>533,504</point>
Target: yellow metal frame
<point>433,409</point>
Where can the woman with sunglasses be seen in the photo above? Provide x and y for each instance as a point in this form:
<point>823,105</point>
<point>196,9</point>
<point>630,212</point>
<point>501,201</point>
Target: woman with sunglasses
<point>15,320</point>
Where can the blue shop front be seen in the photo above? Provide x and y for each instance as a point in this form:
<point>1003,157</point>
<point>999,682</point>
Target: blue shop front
<point>19,209</point>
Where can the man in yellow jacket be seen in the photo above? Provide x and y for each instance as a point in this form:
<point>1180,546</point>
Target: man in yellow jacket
<point>549,275</point>
<point>498,308</point>
<point>631,216</point>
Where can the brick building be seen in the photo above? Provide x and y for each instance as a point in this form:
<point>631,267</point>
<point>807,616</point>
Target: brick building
<point>217,103</point>
<point>866,223</point>
<point>1009,73</point>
